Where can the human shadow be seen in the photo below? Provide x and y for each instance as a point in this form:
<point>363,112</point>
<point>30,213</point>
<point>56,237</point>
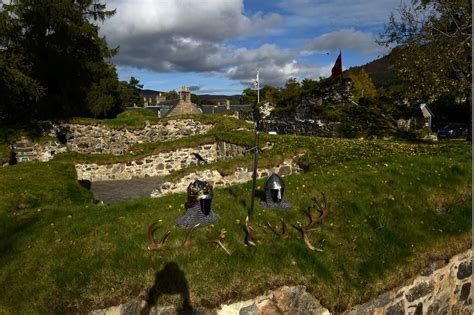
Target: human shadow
<point>170,280</point>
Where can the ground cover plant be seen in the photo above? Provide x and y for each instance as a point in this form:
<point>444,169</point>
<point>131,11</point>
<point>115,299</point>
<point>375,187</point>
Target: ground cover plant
<point>394,206</point>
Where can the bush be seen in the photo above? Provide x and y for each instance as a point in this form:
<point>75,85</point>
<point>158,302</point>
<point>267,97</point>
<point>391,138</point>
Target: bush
<point>136,114</point>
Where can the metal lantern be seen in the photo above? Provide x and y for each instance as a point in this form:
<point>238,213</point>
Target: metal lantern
<point>274,189</point>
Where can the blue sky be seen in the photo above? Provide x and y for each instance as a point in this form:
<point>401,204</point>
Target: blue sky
<point>215,46</point>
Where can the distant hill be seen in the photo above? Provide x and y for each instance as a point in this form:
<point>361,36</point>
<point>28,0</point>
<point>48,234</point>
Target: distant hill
<point>211,99</point>
<point>204,98</point>
<point>382,72</point>
<point>149,93</point>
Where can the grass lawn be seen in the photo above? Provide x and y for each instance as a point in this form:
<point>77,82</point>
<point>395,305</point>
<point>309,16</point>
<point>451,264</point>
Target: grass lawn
<point>394,207</point>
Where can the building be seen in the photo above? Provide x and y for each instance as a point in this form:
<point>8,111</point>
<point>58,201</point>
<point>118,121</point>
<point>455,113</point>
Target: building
<point>184,105</point>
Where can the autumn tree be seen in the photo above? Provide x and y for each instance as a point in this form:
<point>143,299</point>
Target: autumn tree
<point>433,50</point>
<point>363,85</point>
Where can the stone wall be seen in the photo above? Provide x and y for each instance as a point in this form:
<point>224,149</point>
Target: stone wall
<point>96,138</point>
<point>438,290</point>
<point>240,175</point>
<point>286,122</point>
<point>25,150</point>
<point>160,164</point>
<point>285,300</point>
<point>307,118</point>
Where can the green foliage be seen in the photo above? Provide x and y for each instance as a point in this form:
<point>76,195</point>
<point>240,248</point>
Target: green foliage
<point>171,95</point>
<point>291,93</point>
<point>372,117</point>
<point>434,53</point>
<point>130,93</point>
<point>363,85</point>
<point>137,114</point>
<point>54,48</point>
<point>249,96</point>
<point>195,99</point>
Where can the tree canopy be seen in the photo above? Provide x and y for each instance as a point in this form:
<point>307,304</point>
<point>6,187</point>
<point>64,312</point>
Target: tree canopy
<point>433,49</point>
<point>53,61</point>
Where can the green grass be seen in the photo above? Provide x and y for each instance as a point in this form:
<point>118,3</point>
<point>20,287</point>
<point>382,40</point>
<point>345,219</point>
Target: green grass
<point>394,206</point>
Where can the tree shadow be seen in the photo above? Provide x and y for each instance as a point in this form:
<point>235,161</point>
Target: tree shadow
<point>170,280</point>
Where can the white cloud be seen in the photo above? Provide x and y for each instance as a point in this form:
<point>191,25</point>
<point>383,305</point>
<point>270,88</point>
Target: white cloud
<point>276,74</point>
<point>204,20</point>
<point>188,35</point>
<point>345,39</point>
<point>196,36</point>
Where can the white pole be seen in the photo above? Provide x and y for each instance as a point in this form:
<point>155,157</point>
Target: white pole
<point>258,87</point>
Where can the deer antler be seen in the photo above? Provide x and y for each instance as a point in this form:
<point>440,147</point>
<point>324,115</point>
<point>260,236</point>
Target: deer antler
<point>187,240</point>
<point>284,229</point>
<point>323,209</point>
<point>218,240</point>
<point>249,233</point>
<point>273,228</point>
<point>152,244</point>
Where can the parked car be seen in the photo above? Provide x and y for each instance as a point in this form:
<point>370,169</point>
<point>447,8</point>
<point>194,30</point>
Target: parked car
<point>453,130</point>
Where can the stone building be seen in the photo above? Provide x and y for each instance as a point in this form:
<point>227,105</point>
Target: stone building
<point>184,105</point>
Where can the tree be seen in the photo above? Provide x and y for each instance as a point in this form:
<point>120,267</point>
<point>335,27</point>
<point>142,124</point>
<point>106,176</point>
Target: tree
<point>270,94</point>
<point>291,93</point>
<point>171,95</point>
<point>195,99</point>
<point>131,93</point>
<point>434,53</point>
<point>58,47</point>
<point>363,85</point>
<point>17,87</point>
<point>249,96</point>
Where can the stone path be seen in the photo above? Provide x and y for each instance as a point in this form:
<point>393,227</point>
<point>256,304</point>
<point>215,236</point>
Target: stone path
<point>111,192</point>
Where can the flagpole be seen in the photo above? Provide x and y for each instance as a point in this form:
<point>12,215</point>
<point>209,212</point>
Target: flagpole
<point>258,87</point>
<point>255,149</point>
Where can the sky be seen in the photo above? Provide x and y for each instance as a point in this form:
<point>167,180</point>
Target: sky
<point>216,46</point>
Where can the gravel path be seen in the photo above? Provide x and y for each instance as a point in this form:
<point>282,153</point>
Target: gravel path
<point>115,191</point>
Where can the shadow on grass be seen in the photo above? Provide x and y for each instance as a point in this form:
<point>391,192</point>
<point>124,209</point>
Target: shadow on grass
<point>170,280</point>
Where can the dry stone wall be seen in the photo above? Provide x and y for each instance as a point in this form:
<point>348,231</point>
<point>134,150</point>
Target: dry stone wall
<point>445,290</point>
<point>285,300</point>
<point>438,290</point>
<point>240,175</point>
<point>160,164</point>
<point>96,138</point>
<point>24,150</point>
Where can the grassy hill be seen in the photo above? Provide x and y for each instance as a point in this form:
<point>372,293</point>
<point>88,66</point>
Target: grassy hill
<point>394,206</point>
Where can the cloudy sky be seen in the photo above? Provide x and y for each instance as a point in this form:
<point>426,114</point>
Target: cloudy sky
<point>216,46</point>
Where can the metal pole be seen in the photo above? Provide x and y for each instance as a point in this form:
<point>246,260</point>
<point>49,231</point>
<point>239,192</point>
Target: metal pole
<point>254,175</point>
<point>255,152</point>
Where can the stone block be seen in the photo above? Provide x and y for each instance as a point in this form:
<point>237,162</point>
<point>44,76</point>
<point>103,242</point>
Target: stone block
<point>249,310</point>
<point>419,290</point>
<point>284,170</point>
<point>465,270</point>
<point>397,309</point>
<point>465,290</point>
